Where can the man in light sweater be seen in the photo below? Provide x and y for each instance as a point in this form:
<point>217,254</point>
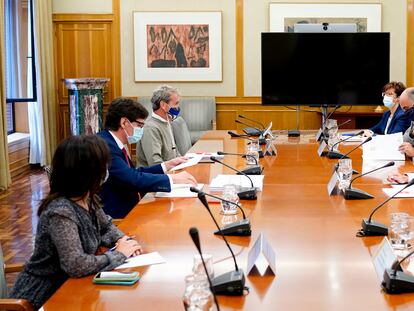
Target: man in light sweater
<point>157,143</point>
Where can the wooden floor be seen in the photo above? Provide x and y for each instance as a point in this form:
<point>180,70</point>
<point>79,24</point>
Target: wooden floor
<point>18,216</point>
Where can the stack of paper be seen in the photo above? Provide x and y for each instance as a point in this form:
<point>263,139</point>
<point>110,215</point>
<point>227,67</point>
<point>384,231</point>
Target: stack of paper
<point>407,193</point>
<point>384,147</point>
<point>242,181</point>
<point>205,156</point>
<point>190,162</point>
<point>179,191</point>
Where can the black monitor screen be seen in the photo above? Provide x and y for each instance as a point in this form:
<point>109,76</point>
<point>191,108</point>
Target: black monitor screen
<point>324,68</point>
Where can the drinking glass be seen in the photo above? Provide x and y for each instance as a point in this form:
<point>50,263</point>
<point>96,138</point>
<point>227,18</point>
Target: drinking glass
<point>406,232</point>
<point>396,226</point>
<point>252,153</point>
<point>229,194</point>
<point>197,295</point>
<point>344,172</point>
<point>198,267</point>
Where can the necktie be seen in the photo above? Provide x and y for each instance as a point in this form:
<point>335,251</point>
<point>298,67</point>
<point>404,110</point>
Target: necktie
<point>126,156</point>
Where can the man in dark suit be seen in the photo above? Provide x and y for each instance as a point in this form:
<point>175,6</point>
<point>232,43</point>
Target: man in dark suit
<point>126,184</point>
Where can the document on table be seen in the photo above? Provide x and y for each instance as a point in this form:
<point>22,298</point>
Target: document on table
<point>205,156</point>
<point>384,147</point>
<point>407,193</point>
<point>349,138</point>
<point>179,191</point>
<point>190,162</point>
<point>242,181</point>
<point>142,260</point>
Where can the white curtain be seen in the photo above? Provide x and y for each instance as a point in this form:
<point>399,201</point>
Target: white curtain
<point>35,113</point>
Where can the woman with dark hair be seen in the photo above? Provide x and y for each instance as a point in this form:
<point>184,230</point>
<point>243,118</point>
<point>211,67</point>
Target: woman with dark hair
<point>394,120</point>
<point>72,224</point>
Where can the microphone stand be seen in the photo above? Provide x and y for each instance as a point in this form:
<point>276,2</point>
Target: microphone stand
<point>395,281</point>
<point>254,121</point>
<point>230,283</point>
<point>372,228</point>
<point>251,170</point>
<point>249,194</point>
<point>237,228</point>
<point>196,239</point>
<point>356,194</point>
<point>253,131</point>
<point>337,155</point>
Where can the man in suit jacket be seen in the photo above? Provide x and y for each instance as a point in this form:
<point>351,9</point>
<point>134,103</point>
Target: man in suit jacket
<point>127,184</point>
<point>407,104</point>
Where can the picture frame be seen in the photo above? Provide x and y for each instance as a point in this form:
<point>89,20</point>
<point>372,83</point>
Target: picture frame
<point>282,16</point>
<point>177,46</point>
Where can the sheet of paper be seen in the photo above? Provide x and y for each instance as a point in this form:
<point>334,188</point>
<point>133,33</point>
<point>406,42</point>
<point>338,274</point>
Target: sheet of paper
<point>382,174</point>
<point>179,191</point>
<point>384,147</point>
<point>350,138</point>
<point>142,260</point>
<point>242,181</point>
<point>205,156</point>
<point>407,193</point>
<point>190,162</point>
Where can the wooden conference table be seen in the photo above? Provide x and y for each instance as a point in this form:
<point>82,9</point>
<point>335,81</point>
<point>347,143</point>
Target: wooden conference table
<point>320,263</point>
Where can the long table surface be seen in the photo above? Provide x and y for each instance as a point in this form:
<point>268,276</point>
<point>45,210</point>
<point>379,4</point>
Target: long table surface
<point>320,263</point>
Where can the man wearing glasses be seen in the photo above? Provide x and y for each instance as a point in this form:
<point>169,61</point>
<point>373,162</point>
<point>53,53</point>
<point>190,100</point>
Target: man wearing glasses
<point>126,184</point>
<point>158,142</point>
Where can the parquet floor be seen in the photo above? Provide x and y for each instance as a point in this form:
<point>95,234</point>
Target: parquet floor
<point>18,217</point>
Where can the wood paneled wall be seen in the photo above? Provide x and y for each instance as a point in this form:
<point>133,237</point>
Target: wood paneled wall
<point>88,45</point>
<point>85,46</point>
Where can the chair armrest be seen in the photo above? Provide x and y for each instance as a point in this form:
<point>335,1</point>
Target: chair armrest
<point>15,304</point>
<point>16,267</point>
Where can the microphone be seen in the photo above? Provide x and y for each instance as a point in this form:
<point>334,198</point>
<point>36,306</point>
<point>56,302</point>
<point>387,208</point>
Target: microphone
<point>321,132</point>
<point>254,121</point>
<point>237,228</point>
<point>372,228</point>
<point>232,134</point>
<point>230,283</point>
<point>251,130</point>
<point>345,122</point>
<point>395,281</point>
<point>252,170</point>
<point>249,194</point>
<point>337,155</point>
<point>352,150</point>
<point>196,239</point>
<point>356,194</point>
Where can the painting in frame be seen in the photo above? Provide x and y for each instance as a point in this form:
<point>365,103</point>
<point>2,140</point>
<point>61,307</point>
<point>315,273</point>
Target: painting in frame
<point>283,16</point>
<point>177,46</point>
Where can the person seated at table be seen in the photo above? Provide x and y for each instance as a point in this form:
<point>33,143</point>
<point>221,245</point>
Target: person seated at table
<point>394,120</point>
<point>158,143</point>
<point>126,184</point>
<point>407,104</point>
<point>72,225</point>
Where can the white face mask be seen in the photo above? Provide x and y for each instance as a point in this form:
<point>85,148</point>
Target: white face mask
<point>136,135</point>
<point>388,101</point>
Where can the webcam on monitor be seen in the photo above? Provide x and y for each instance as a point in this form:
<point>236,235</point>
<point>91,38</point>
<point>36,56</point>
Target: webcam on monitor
<point>325,27</point>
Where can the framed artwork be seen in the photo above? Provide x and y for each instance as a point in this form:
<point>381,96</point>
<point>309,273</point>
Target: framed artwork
<point>177,46</point>
<point>366,16</point>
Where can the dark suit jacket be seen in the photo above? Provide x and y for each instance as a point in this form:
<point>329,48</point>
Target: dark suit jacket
<point>399,123</point>
<point>120,192</point>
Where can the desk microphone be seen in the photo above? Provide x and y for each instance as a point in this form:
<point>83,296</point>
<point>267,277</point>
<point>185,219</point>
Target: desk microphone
<point>249,194</point>
<point>254,121</point>
<point>356,194</point>
<point>252,170</point>
<point>230,283</point>
<point>323,127</point>
<point>237,228</point>
<point>372,228</point>
<point>352,150</point>
<point>232,134</point>
<point>337,155</point>
<point>345,122</point>
<point>196,239</point>
<point>251,130</point>
<point>395,281</point>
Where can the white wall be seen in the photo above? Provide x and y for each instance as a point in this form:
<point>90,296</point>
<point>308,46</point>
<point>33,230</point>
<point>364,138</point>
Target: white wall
<point>256,20</point>
<point>82,6</point>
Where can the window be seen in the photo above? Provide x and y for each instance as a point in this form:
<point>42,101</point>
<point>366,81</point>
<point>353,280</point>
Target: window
<point>20,64</point>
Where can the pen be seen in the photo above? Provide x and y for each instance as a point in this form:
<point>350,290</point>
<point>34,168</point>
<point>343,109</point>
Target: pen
<point>129,238</point>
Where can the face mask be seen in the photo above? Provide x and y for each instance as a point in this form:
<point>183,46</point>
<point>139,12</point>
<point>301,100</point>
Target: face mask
<point>174,112</point>
<point>136,135</point>
<point>388,101</point>
<point>106,177</point>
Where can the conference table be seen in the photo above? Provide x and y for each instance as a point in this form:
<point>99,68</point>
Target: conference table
<point>320,263</point>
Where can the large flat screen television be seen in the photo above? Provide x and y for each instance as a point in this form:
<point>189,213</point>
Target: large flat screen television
<point>324,69</point>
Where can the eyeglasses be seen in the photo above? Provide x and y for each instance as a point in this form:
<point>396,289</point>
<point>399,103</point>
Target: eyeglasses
<point>140,124</point>
<point>392,95</point>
